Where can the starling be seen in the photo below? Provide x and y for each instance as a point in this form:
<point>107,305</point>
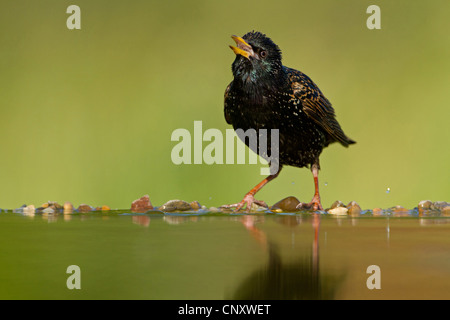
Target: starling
<point>265,94</point>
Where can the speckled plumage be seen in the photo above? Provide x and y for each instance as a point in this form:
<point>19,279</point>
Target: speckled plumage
<point>264,94</point>
<point>285,99</point>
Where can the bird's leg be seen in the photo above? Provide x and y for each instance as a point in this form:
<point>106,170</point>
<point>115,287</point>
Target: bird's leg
<point>249,198</point>
<point>315,202</point>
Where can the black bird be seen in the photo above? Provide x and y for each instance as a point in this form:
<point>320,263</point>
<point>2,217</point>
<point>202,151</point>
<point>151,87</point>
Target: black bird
<point>264,94</point>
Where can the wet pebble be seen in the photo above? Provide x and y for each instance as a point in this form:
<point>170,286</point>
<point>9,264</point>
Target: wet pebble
<point>400,211</point>
<point>257,207</point>
<point>68,207</point>
<point>48,210</point>
<point>142,204</point>
<point>175,205</point>
<point>446,210</point>
<point>337,204</point>
<point>339,211</point>
<point>49,207</point>
<point>438,205</point>
<point>195,205</point>
<point>29,209</point>
<point>377,212</point>
<point>84,208</point>
<point>103,208</point>
<point>353,208</point>
<point>424,205</point>
<point>288,204</point>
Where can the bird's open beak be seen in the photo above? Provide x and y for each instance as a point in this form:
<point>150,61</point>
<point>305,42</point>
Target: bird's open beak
<point>243,48</point>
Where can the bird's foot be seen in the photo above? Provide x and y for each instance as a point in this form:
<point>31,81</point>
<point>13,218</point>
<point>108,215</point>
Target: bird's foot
<point>247,202</point>
<point>313,205</point>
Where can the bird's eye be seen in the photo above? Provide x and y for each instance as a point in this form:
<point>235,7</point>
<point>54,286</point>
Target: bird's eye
<point>263,54</point>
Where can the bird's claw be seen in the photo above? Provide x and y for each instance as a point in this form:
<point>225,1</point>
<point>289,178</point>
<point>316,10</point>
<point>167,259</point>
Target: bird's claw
<point>247,202</point>
<point>314,205</point>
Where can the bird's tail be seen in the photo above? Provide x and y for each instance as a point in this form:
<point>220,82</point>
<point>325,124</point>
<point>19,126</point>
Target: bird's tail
<point>347,141</point>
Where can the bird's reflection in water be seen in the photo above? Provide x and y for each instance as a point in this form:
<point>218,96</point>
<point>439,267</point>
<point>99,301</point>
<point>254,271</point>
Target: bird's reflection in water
<point>297,280</point>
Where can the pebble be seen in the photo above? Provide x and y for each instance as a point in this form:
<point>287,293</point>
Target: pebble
<point>51,204</point>
<point>256,207</point>
<point>67,207</point>
<point>142,204</point>
<point>438,205</point>
<point>175,205</point>
<point>424,205</point>
<point>377,212</point>
<point>337,204</point>
<point>221,209</point>
<point>84,208</point>
<point>48,210</point>
<point>339,211</point>
<point>400,211</point>
<point>287,204</point>
<point>353,208</point>
<point>446,210</point>
<point>195,205</point>
<point>103,208</point>
<point>29,209</point>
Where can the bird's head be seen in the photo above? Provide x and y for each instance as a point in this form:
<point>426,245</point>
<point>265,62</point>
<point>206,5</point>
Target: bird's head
<point>258,59</point>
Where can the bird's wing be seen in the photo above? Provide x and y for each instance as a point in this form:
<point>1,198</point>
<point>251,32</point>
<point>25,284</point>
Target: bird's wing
<point>226,111</point>
<point>316,106</point>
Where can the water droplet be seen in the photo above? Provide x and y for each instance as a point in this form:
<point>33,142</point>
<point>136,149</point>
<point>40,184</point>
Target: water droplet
<point>210,198</point>
<point>293,182</point>
<point>388,190</point>
<point>326,183</point>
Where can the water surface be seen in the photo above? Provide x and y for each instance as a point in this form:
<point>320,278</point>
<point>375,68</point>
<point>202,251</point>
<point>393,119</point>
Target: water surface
<point>223,256</point>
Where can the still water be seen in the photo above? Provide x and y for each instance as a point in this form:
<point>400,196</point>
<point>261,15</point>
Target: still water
<point>223,256</point>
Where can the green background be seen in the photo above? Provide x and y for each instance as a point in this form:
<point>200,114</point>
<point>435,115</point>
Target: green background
<point>87,115</point>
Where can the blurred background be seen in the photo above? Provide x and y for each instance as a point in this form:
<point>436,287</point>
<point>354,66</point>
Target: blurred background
<point>87,115</point>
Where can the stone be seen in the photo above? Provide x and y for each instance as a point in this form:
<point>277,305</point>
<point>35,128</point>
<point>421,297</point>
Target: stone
<point>424,205</point>
<point>445,211</point>
<point>288,204</point>
<point>103,208</point>
<point>337,204</point>
<point>142,204</point>
<point>353,208</point>
<point>52,204</point>
<point>339,211</point>
<point>377,211</point>
<point>257,207</point>
<point>399,209</point>
<point>438,205</point>
<point>67,207</point>
<point>29,209</point>
<point>48,210</point>
<point>221,209</point>
<point>175,205</point>
<point>195,205</point>
<point>84,208</point>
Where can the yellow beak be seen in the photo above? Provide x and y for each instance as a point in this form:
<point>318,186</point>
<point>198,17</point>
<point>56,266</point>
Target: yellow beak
<point>243,48</point>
